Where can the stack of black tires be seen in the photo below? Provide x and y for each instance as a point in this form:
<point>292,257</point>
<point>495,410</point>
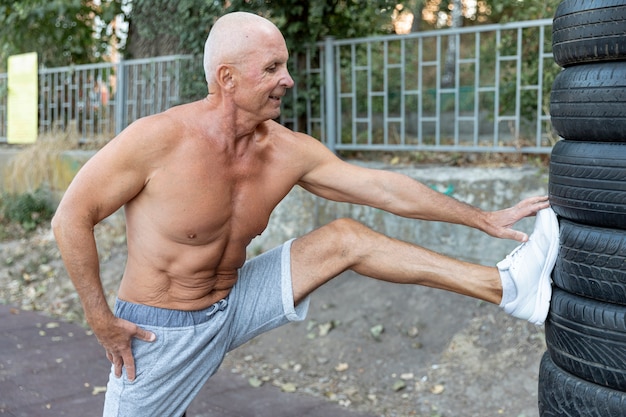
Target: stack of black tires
<point>583,373</point>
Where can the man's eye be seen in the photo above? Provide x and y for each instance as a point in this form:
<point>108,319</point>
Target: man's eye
<point>271,69</point>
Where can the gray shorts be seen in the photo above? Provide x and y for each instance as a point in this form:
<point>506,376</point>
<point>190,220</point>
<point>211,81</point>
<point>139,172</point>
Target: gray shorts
<point>190,345</point>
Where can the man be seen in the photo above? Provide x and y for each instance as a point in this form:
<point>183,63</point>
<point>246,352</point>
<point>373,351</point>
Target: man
<point>198,183</point>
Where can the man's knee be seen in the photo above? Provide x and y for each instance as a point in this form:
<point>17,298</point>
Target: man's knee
<point>345,233</point>
<point>346,227</point>
<point>342,237</point>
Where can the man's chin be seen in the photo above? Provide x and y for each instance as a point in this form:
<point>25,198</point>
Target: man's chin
<point>275,115</point>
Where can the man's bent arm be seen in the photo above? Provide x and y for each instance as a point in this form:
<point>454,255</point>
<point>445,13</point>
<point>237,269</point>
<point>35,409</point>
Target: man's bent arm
<point>103,185</point>
<point>77,245</point>
<point>112,177</point>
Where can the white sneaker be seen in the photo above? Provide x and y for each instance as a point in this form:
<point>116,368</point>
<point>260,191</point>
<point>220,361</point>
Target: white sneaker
<point>528,267</point>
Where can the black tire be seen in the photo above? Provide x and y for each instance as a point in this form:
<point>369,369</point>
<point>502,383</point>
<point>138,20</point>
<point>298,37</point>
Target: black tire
<point>588,31</point>
<point>592,262</point>
<point>564,395</point>
<point>587,338</point>
<point>587,182</point>
<point>588,102</point>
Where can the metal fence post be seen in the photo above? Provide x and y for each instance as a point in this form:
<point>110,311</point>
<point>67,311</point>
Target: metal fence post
<point>120,98</point>
<point>330,80</point>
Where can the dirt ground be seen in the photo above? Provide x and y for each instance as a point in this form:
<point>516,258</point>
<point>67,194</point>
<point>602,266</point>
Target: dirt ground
<point>372,346</point>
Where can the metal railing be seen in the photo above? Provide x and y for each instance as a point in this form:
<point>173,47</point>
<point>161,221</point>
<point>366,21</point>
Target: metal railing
<point>479,89</point>
<point>96,101</point>
<point>391,92</point>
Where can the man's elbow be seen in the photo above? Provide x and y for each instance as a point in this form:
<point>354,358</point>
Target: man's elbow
<point>69,218</point>
<point>60,221</point>
<point>56,223</point>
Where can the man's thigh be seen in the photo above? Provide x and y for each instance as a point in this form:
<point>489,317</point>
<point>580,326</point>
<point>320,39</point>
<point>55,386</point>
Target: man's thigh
<point>263,296</point>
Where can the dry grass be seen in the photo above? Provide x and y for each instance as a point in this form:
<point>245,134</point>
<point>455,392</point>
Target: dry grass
<point>35,165</point>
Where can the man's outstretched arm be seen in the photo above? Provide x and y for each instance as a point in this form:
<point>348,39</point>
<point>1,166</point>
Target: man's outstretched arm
<point>334,179</point>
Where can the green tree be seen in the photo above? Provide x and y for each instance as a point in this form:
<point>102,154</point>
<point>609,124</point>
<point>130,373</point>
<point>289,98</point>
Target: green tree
<point>163,27</point>
<point>62,32</point>
<point>170,27</point>
<point>167,27</point>
<point>487,11</point>
<point>503,11</point>
<point>306,22</point>
<point>173,26</point>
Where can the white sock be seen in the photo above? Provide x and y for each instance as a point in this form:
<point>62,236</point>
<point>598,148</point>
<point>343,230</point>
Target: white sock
<point>509,290</point>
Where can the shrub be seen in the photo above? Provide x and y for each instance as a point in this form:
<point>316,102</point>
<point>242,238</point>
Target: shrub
<point>28,209</point>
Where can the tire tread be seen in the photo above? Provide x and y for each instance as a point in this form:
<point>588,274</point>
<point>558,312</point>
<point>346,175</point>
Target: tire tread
<point>564,395</point>
<point>589,32</point>
<point>587,338</point>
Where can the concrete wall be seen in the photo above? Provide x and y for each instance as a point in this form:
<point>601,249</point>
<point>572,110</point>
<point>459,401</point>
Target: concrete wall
<point>300,212</point>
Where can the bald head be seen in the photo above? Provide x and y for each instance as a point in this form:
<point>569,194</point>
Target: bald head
<point>231,38</point>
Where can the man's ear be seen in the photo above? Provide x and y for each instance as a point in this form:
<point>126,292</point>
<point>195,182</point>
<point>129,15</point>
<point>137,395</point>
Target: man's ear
<point>225,77</point>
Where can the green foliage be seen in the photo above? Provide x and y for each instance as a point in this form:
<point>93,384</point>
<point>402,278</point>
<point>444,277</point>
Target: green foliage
<point>192,84</point>
<point>62,32</point>
<point>28,209</point>
<point>184,23</point>
<point>167,27</point>
<point>306,22</point>
<point>503,11</point>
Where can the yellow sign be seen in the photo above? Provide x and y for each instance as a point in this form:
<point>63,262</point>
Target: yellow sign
<point>22,99</point>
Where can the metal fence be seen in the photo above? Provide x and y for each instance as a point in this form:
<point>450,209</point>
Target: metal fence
<point>97,101</point>
<point>479,89</point>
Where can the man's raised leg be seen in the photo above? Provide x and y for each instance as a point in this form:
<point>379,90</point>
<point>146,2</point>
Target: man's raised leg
<point>346,244</point>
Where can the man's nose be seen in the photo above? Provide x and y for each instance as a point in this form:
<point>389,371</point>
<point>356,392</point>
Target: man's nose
<point>287,80</point>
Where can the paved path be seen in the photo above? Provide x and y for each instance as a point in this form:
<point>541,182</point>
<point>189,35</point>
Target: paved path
<point>52,368</point>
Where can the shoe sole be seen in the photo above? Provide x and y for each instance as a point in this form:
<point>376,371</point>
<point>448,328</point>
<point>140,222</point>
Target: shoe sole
<point>544,290</point>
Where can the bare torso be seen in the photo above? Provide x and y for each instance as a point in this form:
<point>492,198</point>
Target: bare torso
<point>188,228</point>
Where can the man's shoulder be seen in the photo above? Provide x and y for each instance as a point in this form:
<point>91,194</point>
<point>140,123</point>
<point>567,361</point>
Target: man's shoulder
<point>279,132</point>
<point>304,150</point>
<point>156,132</point>
<point>156,121</point>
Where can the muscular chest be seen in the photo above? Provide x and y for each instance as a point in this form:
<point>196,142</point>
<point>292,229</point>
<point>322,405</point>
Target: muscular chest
<point>204,204</point>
